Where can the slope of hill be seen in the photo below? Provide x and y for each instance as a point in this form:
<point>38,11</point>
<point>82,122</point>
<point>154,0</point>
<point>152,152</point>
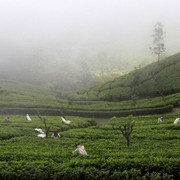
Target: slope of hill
<point>16,94</point>
<point>140,91</point>
<point>153,80</point>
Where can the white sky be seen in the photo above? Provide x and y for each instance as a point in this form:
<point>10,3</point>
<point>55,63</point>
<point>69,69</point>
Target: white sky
<point>124,26</point>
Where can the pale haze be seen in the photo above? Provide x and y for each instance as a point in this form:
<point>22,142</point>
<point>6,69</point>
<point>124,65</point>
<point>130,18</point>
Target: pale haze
<point>56,36</point>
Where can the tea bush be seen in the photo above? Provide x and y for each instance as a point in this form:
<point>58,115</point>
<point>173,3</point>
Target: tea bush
<point>154,151</point>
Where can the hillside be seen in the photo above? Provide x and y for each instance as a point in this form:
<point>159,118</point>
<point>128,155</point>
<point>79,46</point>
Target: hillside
<point>16,94</point>
<point>152,89</point>
<point>153,80</point>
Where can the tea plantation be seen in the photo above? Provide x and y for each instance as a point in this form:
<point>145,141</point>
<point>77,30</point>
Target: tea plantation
<point>150,81</point>
<point>153,154</point>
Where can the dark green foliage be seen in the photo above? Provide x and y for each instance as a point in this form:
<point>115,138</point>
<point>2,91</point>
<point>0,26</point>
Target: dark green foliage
<point>120,113</point>
<point>154,153</point>
<point>19,126</point>
<point>152,80</point>
<point>95,113</point>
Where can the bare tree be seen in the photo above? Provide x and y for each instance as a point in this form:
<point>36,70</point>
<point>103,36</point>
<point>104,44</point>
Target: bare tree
<point>158,40</point>
<point>126,130</point>
<point>47,128</point>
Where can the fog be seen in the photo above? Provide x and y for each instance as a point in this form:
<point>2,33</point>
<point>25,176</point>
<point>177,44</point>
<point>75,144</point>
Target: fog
<point>63,42</point>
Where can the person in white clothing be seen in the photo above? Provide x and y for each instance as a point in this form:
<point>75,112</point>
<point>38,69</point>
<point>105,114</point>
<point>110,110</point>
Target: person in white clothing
<point>65,121</point>
<point>160,120</point>
<point>55,134</point>
<point>28,117</point>
<point>7,119</point>
<point>80,150</point>
<point>177,120</point>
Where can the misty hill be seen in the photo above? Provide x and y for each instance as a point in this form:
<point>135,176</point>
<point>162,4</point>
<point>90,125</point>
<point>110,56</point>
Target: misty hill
<point>153,80</point>
<point>21,98</point>
<point>16,94</point>
<point>62,68</point>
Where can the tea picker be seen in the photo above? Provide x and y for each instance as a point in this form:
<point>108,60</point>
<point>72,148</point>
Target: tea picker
<point>28,117</point>
<point>65,121</point>
<point>80,149</point>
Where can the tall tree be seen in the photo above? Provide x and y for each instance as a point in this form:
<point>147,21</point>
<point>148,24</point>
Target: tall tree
<point>158,40</point>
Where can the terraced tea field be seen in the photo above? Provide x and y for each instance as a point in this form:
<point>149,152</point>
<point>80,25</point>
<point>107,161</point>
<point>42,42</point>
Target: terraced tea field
<point>153,154</point>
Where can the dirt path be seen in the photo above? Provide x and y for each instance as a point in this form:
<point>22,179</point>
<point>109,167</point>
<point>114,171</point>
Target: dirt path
<point>176,110</point>
<point>101,121</point>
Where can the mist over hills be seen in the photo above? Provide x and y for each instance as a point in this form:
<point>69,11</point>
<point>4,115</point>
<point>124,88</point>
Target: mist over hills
<point>71,44</point>
<point>156,79</point>
<point>68,70</point>
<point>69,77</point>
<point>155,86</point>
